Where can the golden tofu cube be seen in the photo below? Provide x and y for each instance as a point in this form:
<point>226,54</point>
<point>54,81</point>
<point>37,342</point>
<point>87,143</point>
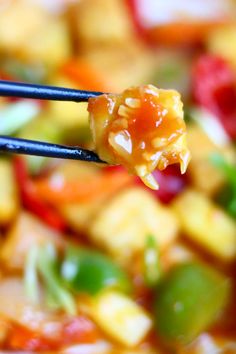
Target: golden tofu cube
<point>206,224</point>
<point>124,223</point>
<point>204,175</point>
<point>120,317</point>
<point>9,201</point>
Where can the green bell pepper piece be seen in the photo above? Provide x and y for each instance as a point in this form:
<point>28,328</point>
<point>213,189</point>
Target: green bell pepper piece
<point>188,301</point>
<point>89,271</point>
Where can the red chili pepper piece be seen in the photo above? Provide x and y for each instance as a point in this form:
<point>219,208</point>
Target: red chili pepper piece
<point>31,200</point>
<point>214,88</point>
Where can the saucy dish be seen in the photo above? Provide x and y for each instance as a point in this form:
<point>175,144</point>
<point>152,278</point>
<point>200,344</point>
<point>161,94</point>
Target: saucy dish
<point>93,260</point>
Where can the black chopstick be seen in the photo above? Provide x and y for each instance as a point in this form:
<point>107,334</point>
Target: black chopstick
<point>42,92</point>
<point>38,148</point>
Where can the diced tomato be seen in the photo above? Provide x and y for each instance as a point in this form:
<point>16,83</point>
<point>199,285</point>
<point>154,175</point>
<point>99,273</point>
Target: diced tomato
<point>31,200</point>
<point>214,88</point>
<point>171,183</point>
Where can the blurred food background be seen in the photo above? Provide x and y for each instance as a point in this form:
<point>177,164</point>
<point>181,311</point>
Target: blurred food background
<point>91,260</point>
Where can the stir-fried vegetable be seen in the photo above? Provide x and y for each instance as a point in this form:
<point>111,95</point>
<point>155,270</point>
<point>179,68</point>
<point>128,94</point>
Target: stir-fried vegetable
<point>81,270</point>
<point>151,262</point>
<point>48,268</point>
<point>214,89</point>
<point>43,259</point>
<point>84,189</point>
<point>188,300</point>
<point>90,272</point>
<point>90,257</point>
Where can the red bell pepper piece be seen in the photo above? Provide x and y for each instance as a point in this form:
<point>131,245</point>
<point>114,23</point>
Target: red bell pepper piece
<point>214,88</point>
<point>31,200</point>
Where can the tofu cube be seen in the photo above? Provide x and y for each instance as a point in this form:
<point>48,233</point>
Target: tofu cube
<point>206,224</point>
<point>9,201</point>
<point>124,223</point>
<point>121,318</point>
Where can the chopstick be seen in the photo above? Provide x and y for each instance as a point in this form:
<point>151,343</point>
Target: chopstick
<point>43,92</point>
<point>38,148</point>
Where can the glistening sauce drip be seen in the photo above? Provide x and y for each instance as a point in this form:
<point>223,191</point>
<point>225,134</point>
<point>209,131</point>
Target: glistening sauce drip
<point>142,129</point>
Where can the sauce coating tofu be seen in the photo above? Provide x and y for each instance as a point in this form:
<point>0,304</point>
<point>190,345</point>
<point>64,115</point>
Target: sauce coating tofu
<point>142,129</point>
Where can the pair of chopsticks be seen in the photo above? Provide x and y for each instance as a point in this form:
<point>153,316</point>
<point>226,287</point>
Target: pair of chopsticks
<point>31,147</point>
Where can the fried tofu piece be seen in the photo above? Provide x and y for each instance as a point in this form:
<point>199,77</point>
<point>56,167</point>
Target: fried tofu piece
<point>204,175</point>
<point>142,128</point>
<point>123,224</point>
<point>206,224</point>
<point>125,64</point>
<point>9,200</point>
<point>101,21</point>
<point>29,32</point>
<point>120,317</point>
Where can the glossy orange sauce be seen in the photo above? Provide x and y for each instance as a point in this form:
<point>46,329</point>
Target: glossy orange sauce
<point>140,129</point>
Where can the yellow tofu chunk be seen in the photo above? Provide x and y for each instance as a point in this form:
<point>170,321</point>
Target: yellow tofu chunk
<point>220,42</point>
<point>79,215</point>
<point>204,175</point>
<point>26,232</point>
<point>55,47</point>
<point>127,64</point>
<point>101,21</point>
<point>124,223</point>
<point>32,33</point>
<point>206,224</point>
<point>68,114</point>
<point>19,22</point>
<point>9,201</point>
<point>120,317</point>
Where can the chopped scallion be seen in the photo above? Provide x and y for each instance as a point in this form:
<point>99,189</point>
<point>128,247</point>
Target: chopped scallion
<point>152,271</point>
